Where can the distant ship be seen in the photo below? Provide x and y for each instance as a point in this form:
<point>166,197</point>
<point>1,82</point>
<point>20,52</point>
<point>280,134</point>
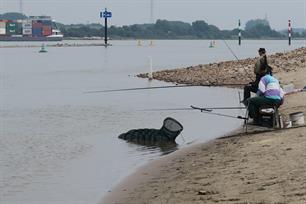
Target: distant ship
<point>35,28</point>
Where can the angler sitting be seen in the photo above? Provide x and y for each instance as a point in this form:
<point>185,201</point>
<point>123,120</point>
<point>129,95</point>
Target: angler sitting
<point>269,94</point>
<point>260,69</point>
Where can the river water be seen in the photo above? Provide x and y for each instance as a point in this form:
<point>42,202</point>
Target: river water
<point>59,144</point>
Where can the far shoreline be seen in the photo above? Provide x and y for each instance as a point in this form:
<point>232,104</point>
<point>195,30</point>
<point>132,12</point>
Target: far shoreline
<point>208,39</point>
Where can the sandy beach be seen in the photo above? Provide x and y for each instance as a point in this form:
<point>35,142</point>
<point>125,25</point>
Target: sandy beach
<point>262,167</point>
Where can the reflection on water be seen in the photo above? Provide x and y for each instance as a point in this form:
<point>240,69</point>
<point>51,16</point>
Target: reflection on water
<point>152,147</point>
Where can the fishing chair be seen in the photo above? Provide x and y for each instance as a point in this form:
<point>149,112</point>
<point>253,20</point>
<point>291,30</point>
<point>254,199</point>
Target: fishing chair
<point>268,116</point>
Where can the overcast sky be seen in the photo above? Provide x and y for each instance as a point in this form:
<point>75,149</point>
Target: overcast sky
<point>222,13</point>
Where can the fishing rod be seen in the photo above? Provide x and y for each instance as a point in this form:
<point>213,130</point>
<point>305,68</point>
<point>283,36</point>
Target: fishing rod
<point>247,73</point>
<point>175,86</point>
<point>230,49</point>
<point>203,110</point>
<point>167,109</point>
<point>140,88</point>
<point>160,87</point>
<point>195,108</point>
<point>224,115</point>
<point>217,108</point>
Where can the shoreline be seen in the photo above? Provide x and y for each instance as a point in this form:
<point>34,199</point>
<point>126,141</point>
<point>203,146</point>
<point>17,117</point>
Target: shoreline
<point>260,168</point>
<point>150,173</point>
<point>117,193</point>
<point>145,174</point>
<point>192,182</point>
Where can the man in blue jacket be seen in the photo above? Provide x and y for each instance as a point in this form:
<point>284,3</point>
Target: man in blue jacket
<point>269,94</point>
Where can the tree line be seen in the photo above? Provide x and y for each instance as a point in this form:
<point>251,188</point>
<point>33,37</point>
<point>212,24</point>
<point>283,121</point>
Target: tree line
<point>164,29</point>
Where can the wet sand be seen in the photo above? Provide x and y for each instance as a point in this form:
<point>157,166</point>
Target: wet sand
<point>266,167</point>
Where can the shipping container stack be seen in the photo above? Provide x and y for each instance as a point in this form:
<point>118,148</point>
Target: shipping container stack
<point>19,27</point>
<point>37,28</point>
<point>3,27</point>
<point>11,28</point>
<point>41,28</point>
<point>47,27</point>
<point>27,28</point>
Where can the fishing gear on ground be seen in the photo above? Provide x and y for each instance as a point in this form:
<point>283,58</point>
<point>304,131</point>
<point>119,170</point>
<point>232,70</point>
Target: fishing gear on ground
<point>167,133</point>
<point>208,111</point>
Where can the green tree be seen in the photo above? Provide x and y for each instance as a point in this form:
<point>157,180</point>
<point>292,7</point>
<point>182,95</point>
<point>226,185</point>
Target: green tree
<point>13,16</point>
<point>254,23</point>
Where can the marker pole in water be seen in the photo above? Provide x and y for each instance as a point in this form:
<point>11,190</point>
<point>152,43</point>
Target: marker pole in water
<point>105,28</point>
<point>105,14</point>
<point>151,44</point>
<point>239,35</point>
<point>151,68</point>
<point>289,31</point>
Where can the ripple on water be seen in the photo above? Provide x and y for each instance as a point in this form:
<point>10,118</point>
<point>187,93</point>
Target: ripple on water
<point>35,144</point>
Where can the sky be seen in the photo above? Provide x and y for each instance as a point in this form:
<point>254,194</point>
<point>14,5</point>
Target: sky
<point>222,13</point>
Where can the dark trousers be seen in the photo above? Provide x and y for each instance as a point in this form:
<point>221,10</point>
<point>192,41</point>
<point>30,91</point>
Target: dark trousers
<point>251,87</point>
<point>255,103</point>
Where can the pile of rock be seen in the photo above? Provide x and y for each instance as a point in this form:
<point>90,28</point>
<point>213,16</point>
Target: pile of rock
<point>230,72</point>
